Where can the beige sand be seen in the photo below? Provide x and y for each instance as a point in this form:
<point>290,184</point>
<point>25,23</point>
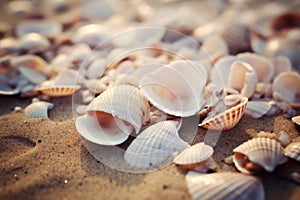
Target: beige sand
<point>45,159</point>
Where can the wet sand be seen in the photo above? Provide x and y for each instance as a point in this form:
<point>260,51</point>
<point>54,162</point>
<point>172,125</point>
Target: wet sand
<point>45,159</point>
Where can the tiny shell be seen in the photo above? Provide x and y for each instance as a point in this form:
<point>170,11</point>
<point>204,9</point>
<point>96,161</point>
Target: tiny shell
<point>38,109</point>
<point>258,153</point>
<point>257,109</point>
<point>224,185</point>
<point>293,151</point>
<point>154,145</point>
<point>226,120</point>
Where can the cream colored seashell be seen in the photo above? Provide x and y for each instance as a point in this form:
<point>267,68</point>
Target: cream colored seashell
<point>38,109</point>
<point>224,185</point>
<point>281,64</point>
<point>31,61</point>
<point>242,77</point>
<point>257,109</point>
<point>296,120</point>
<point>79,53</point>
<point>125,102</point>
<point>155,145</point>
<point>58,91</point>
<point>32,75</point>
<point>264,89</point>
<point>179,93</point>
<point>284,138</point>
<point>258,153</point>
<point>96,68</point>
<point>34,42</point>
<point>293,151</point>
<point>233,99</point>
<point>264,68</point>
<point>197,157</point>
<point>227,119</point>
<point>104,129</point>
<point>286,88</point>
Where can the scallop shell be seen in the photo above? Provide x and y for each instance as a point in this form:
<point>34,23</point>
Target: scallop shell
<point>258,153</point>
<point>225,186</point>
<point>226,120</point>
<point>286,88</point>
<point>58,91</point>
<point>106,131</point>
<point>38,109</point>
<point>257,109</point>
<point>179,93</point>
<point>125,102</point>
<point>154,145</point>
<point>293,151</point>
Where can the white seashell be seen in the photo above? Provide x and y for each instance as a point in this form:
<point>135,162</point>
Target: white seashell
<point>154,145</point>
<point>284,138</point>
<point>17,109</point>
<point>257,109</point>
<point>93,9</point>
<point>125,102</point>
<point>9,44</point>
<point>79,53</point>
<point>258,153</point>
<point>296,120</point>
<point>264,67</point>
<point>96,68</point>
<point>293,151</point>
<point>104,129</point>
<point>31,75</point>
<point>264,89</point>
<point>227,119</point>
<point>97,86</point>
<point>179,93</point>
<point>242,77</point>
<point>38,109</point>
<point>286,88</point>
<point>224,185</point>
<point>125,67</point>
<point>233,99</point>
<point>281,64</point>
<point>57,90</point>
<point>31,61</point>
<point>34,42</point>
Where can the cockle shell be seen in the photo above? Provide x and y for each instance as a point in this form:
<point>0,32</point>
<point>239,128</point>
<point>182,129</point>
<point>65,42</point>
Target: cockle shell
<point>227,119</point>
<point>225,186</point>
<point>182,97</point>
<point>257,109</point>
<point>196,157</point>
<point>125,102</point>
<point>286,88</point>
<point>293,151</point>
<point>154,145</point>
<point>38,109</point>
<point>58,91</point>
<point>258,153</point>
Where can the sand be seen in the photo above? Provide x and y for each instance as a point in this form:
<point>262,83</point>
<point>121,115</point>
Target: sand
<point>46,159</point>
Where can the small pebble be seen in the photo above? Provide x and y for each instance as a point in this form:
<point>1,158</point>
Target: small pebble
<point>17,109</point>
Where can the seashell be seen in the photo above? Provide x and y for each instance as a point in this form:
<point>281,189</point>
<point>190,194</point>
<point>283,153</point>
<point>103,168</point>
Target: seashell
<point>258,153</point>
<point>34,43</point>
<point>196,157</point>
<point>103,129</point>
<point>182,97</point>
<point>243,78</point>
<point>31,75</point>
<point>96,68</point>
<point>264,68</point>
<point>281,64</point>
<point>38,109</point>
<point>79,53</point>
<point>154,145</point>
<point>227,119</point>
<point>93,9</point>
<point>284,138</point>
<point>57,90</point>
<point>257,109</point>
<point>286,88</point>
<point>296,120</point>
<point>264,89</point>
<point>224,185</point>
<point>45,28</point>
<point>286,20</point>
<point>6,90</point>
<point>97,86</point>
<point>125,102</point>
<point>232,100</point>
<point>20,9</point>
<point>293,151</point>
<point>9,44</point>
<point>31,61</point>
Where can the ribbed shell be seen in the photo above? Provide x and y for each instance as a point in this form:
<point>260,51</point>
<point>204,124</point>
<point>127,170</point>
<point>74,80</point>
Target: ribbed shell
<point>257,109</point>
<point>125,102</point>
<point>154,145</point>
<point>293,151</point>
<point>194,154</point>
<point>58,91</point>
<point>224,186</point>
<point>228,119</point>
<point>265,152</point>
<point>38,109</point>
<point>296,120</point>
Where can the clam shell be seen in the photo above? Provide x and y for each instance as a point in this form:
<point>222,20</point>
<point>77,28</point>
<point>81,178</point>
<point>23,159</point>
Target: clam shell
<point>154,145</point>
<point>226,120</point>
<point>293,151</point>
<point>38,109</point>
<point>58,91</point>
<point>125,102</point>
<point>258,152</point>
<point>257,109</point>
<point>179,93</point>
<point>286,88</point>
<point>109,131</point>
<point>225,186</point>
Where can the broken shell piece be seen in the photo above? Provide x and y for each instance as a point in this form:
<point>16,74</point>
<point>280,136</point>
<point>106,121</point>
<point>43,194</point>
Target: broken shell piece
<point>154,145</point>
<point>296,120</point>
<point>224,185</point>
<point>125,102</point>
<point>257,109</point>
<point>226,120</point>
<point>293,151</point>
<point>197,157</point>
<point>286,88</point>
<point>258,153</point>
<point>38,109</point>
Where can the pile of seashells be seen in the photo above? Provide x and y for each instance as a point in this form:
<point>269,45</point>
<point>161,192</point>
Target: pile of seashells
<point>142,82</point>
